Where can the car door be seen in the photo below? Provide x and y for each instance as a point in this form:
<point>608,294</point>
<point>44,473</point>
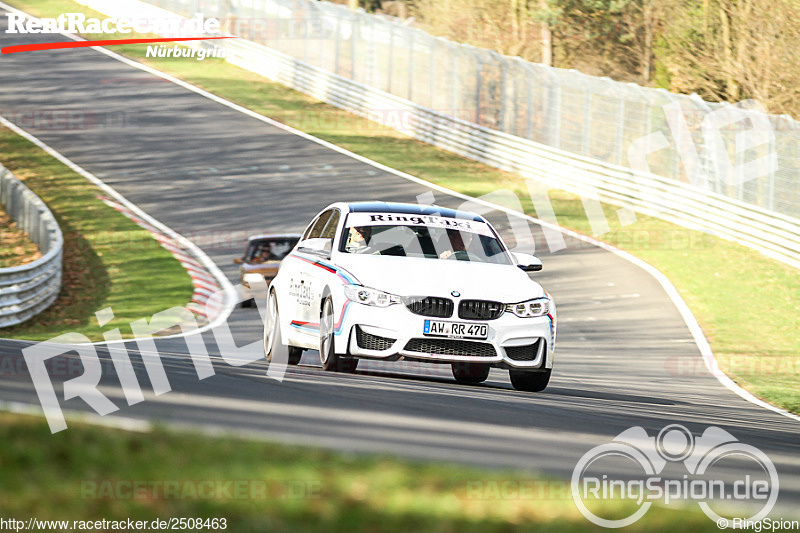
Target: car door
<point>322,276</point>
<point>302,284</point>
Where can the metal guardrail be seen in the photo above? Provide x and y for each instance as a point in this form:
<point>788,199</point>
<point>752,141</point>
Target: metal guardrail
<point>761,213</point>
<point>565,109</point>
<point>29,289</point>
<point>773,234</point>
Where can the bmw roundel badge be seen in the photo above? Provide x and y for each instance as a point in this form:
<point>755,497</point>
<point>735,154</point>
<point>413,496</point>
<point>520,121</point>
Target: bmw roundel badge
<point>455,294</point>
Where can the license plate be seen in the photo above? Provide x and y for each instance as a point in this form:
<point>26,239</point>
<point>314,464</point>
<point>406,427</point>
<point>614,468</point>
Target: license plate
<point>456,330</point>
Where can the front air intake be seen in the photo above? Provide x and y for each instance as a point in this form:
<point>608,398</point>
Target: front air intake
<point>480,310</point>
<point>430,306</point>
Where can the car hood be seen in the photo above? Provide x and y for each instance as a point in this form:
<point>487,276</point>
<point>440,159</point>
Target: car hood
<point>406,276</point>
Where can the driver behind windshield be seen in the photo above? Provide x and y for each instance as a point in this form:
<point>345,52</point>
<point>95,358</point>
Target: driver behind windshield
<point>358,239</point>
<point>461,241</point>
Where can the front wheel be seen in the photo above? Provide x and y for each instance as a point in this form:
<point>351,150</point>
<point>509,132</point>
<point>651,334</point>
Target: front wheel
<point>530,381</point>
<point>272,335</point>
<point>331,361</point>
<point>470,372</point>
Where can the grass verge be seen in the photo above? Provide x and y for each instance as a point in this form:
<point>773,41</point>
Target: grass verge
<point>16,248</point>
<point>746,303</point>
<point>109,261</point>
<point>89,473</point>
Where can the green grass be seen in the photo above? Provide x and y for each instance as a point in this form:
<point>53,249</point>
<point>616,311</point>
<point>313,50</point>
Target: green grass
<point>746,303</point>
<point>46,475</point>
<point>76,475</point>
<point>16,248</point>
<point>109,261</point>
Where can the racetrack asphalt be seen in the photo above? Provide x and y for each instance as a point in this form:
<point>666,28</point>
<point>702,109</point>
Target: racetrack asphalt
<point>624,356</point>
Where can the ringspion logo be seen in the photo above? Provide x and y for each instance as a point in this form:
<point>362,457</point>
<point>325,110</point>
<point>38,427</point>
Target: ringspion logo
<point>591,481</point>
<point>171,29</point>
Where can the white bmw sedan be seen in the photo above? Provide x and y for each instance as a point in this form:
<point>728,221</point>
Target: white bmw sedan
<point>387,281</point>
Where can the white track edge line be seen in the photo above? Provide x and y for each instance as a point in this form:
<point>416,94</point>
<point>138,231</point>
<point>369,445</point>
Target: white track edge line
<point>226,285</point>
<point>669,288</point>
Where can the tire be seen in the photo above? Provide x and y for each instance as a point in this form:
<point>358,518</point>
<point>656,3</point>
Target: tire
<point>470,372</point>
<point>272,334</point>
<point>331,361</point>
<point>529,381</point>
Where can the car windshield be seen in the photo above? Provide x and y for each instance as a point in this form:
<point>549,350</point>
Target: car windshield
<point>269,249</point>
<point>423,236</point>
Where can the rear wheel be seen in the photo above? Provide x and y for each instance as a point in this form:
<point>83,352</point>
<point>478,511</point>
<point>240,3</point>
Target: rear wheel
<point>529,381</point>
<point>470,372</point>
<point>272,334</point>
<point>330,360</point>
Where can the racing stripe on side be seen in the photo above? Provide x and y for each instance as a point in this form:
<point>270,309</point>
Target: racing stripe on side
<point>314,326</point>
<point>342,273</point>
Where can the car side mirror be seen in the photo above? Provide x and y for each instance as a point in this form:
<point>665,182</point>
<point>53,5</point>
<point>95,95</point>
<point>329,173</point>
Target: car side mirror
<point>319,246</point>
<point>237,261</point>
<point>528,262</point>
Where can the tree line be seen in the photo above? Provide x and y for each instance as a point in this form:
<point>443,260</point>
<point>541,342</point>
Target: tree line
<point>724,50</point>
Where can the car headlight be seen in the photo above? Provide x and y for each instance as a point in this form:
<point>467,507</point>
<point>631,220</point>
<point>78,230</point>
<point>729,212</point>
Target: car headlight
<point>530,308</point>
<point>253,278</point>
<point>367,296</point>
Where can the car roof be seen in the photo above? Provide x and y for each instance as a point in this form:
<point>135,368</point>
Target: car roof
<point>411,209</point>
<point>274,236</point>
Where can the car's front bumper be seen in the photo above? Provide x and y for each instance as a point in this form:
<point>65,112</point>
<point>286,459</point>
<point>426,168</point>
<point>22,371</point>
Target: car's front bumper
<point>394,332</point>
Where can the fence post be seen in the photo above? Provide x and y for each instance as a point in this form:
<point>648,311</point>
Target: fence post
<point>620,128</point>
<point>479,72</point>
<point>587,119</point>
<point>501,124</point>
<point>372,57</point>
<point>391,59</point>
<point>431,72</point>
<point>773,147</point>
<point>323,38</point>
<point>337,32</point>
<point>250,28</point>
<point>354,27</point>
<point>648,120</point>
<point>454,81</point>
<point>529,117</point>
<point>410,93</point>
<point>306,35</point>
<point>554,110</point>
